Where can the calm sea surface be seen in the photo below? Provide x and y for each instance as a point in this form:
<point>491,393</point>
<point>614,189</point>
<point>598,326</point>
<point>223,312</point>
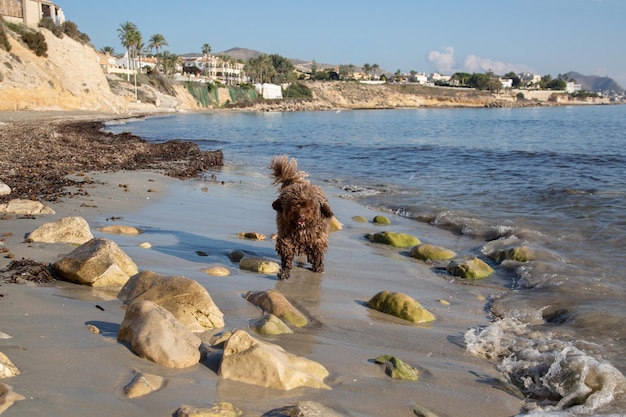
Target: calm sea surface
<point>553,179</point>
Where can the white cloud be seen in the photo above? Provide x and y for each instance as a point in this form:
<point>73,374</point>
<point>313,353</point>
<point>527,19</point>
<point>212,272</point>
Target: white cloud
<point>443,61</point>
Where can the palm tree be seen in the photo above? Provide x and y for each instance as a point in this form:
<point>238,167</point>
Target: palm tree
<point>206,51</point>
<point>375,68</point>
<point>157,41</point>
<point>130,38</point>
<point>169,62</point>
<point>367,68</point>
<point>108,50</point>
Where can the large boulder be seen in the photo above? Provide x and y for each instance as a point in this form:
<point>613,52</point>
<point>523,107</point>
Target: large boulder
<point>428,252</point>
<point>400,305</point>
<point>29,207</point>
<point>469,268</point>
<point>397,240</point>
<point>66,230</point>
<point>273,302</point>
<point>252,361</point>
<point>99,262</point>
<point>153,333</point>
<point>185,298</point>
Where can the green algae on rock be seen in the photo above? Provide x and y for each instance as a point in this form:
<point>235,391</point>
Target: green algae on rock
<point>472,268</point>
<point>380,219</point>
<point>359,219</point>
<point>428,252</point>
<point>400,305</point>
<point>397,240</point>
<point>518,253</point>
<point>397,368</point>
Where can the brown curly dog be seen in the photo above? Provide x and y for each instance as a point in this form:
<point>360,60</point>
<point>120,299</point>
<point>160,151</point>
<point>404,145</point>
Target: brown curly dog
<point>302,217</point>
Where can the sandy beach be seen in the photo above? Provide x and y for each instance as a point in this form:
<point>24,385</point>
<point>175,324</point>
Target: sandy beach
<point>66,370</point>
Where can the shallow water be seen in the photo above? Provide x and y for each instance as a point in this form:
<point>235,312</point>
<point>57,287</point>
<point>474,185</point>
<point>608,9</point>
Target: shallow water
<point>553,179</point>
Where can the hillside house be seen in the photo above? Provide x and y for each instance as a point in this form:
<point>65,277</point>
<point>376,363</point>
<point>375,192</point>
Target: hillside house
<point>30,12</point>
<point>215,68</point>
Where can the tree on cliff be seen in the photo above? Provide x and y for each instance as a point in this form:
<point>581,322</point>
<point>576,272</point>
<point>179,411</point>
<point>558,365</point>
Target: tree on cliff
<point>156,42</point>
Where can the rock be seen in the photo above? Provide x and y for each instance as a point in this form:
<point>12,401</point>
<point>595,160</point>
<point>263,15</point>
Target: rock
<point>7,369</point>
<point>236,255</point>
<point>143,384</point>
<point>335,224</point>
<point>154,334</point>
<point>518,253</point>
<point>260,265</point>
<point>66,230</point>
<point>309,409</point>
<point>8,397</point>
<point>185,298</point>
<point>249,360</point>
<point>469,268</point>
<point>219,409</point>
<point>359,219</point>
<point>19,206</point>
<point>99,262</point>
<point>269,324</point>
<point>397,240</point>
<point>428,252</point>
<point>400,305</point>
<point>4,189</point>
<point>380,219</point>
<point>251,235</point>
<point>120,229</point>
<point>145,245</point>
<point>398,369</point>
<point>217,271</point>
<point>273,302</point>
<point>421,411</point>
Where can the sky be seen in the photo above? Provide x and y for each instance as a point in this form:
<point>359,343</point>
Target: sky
<point>540,36</point>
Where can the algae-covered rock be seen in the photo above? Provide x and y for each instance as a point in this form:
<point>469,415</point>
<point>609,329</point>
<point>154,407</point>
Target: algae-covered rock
<point>397,369</point>
<point>518,253</point>
<point>359,219</point>
<point>397,240</point>
<point>472,268</point>
<point>335,224</point>
<point>380,219</point>
<point>269,324</point>
<point>400,305</point>
<point>260,265</point>
<point>428,252</point>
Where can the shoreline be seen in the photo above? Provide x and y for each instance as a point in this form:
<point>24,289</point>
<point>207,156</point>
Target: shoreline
<point>66,370</point>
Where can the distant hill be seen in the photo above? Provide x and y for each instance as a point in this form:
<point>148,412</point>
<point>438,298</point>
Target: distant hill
<point>595,83</point>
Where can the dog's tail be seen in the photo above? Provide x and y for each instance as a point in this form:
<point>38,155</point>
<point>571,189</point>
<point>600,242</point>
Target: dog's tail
<point>286,171</point>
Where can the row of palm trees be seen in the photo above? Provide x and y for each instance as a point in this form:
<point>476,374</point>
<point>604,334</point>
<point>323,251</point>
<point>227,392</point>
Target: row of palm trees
<point>131,39</point>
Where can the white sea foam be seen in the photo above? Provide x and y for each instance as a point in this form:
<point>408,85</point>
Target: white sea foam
<point>559,376</point>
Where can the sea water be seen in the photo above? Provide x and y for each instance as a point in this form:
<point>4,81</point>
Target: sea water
<point>552,179</point>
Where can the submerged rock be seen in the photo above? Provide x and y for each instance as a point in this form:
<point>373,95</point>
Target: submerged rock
<point>217,271</point>
<point>260,265</point>
<point>154,334</point>
<point>380,219</point>
<point>398,369</point>
<point>66,230</point>
<point>469,268</point>
<point>273,302</point>
<point>269,324</point>
<point>219,409</point>
<point>120,229</point>
<point>185,298</point>
<point>359,219</point>
<point>8,397</point>
<point>518,253</point>
<point>428,252</point>
<point>397,240</point>
<point>99,262</point>
<point>143,384</point>
<point>400,305</point>
<point>252,361</point>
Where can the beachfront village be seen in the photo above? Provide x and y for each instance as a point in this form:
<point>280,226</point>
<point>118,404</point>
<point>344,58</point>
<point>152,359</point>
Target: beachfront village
<point>269,74</point>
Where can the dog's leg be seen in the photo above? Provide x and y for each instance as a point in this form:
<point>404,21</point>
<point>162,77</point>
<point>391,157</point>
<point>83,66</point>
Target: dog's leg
<point>316,259</point>
<point>286,259</point>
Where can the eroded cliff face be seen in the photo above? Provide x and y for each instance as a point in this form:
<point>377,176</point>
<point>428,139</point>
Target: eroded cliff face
<point>70,78</point>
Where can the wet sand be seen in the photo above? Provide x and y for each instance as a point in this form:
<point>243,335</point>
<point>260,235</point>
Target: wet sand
<point>69,371</point>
